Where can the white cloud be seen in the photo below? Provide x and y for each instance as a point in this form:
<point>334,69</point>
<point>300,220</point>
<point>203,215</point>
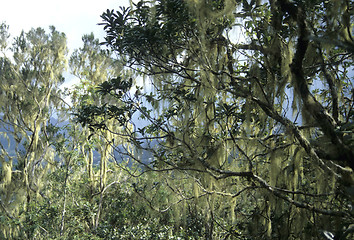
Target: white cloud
<point>73,17</point>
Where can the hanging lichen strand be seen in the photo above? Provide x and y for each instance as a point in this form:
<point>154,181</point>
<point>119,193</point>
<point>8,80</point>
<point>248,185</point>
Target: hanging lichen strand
<point>205,135</point>
<point>95,67</point>
<point>199,135</point>
<point>246,103</point>
<point>29,87</point>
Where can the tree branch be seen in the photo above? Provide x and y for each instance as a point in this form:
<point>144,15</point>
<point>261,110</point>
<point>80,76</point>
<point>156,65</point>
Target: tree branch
<point>325,121</point>
<point>298,204</point>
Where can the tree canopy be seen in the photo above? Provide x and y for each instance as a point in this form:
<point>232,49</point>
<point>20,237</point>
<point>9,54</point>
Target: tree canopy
<point>251,100</point>
<point>198,119</point>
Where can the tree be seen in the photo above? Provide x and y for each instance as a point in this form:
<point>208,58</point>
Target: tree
<point>93,65</point>
<point>58,179</point>
<point>252,101</point>
<point>29,97</point>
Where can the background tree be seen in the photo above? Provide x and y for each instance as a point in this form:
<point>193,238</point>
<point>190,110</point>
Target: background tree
<point>116,185</point>
<point>29,97</point>
<point>93,65</point>
<point>251,100</point>
<point>61,180</point>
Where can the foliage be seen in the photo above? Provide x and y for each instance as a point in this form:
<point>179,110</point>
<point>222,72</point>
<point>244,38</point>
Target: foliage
<point>29,95</point>
<point>60,180</point>
<point>221,119</point>
<point>250,101</point>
